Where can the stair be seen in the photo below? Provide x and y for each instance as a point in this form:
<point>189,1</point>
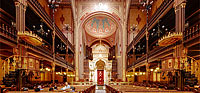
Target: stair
<point>10,79</point>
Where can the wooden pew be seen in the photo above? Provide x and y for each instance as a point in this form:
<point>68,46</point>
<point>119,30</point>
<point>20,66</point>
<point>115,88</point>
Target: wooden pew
<point>78,89</point>
<point>133,88</point>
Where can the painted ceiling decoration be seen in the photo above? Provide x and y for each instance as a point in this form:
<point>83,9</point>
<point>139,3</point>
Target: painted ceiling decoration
<point>100,26</point>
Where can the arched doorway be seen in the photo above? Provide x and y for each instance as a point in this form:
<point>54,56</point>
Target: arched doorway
<point>100,72</point>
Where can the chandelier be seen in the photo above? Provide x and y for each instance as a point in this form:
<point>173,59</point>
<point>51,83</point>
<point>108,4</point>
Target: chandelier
<point>34,37</point>
<point>30,37</point>
<point>170,38</point>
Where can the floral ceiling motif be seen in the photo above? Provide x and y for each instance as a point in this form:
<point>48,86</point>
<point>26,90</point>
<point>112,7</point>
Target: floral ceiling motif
<point>100,26</point>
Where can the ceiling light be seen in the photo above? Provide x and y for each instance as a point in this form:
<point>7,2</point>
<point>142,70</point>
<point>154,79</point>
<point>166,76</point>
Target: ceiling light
<point>101,7</point>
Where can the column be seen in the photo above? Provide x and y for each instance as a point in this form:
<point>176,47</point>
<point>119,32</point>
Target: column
<point>42,76</point>
<point>66,74</point>
<point>20,26</point>
<point>124,38</point>
<point>53,72</point>
<point>47,76</point>
<point>76,39</point>
<point>147,73</point>
<point>124,43</point>
<point>133,74</point>
<point>20,14</point>
<point>179,7</point>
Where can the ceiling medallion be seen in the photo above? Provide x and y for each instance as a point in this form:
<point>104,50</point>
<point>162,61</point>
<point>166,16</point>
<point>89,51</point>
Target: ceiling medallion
<point>30,37</point>
<point>170,38</point>
<point>100,26</point>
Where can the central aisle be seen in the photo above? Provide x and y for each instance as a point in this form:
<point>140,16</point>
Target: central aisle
<point>100,89</point>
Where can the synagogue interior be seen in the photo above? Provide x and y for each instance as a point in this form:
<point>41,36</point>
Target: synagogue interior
<point>100,46</point>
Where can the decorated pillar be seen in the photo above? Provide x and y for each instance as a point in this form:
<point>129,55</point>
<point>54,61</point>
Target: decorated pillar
<point>20,14</point>
<point>76,39</point>
<point>20,26</point>
<point>124,38</point>
<point>47,76</point>
<point>66,74</point>
<point>179,7</point>
<point>53,72</point>
<point>133,74</point>
<point>42,76</point>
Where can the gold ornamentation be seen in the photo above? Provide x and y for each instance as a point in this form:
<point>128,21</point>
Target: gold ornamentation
<point>170,38</point>
<point>30,37</point>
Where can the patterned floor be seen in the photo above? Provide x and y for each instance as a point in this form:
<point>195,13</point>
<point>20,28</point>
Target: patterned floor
<point>100,89</point>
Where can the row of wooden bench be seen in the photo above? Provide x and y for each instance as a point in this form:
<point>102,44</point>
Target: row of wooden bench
<point>134,88</point>
<point>78,89</point>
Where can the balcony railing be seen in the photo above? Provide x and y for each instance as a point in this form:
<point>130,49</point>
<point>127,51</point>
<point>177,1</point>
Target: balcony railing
<point>50,55</point>
<point>8,31</point>
<point>191,32</point>
<point>38,8</point>
<point>156,15</point>
<point>150,56</point>
<point>11,34</point>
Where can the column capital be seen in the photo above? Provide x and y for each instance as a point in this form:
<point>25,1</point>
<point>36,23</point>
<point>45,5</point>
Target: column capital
<point>17,3</point>
<point>22,2</point>
<point>182,3</point>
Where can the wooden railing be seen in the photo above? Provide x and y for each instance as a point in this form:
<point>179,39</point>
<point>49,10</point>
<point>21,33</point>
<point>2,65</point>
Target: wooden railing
<point>150,56</point>
<point>191,32</point>
<point>8,31</point>
<point>11,34</point>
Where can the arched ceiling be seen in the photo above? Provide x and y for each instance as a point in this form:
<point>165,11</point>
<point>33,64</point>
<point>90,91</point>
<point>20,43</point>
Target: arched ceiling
<point>100,26</point>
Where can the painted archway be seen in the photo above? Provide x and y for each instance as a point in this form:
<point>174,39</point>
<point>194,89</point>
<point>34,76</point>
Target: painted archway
<point>82,40</point>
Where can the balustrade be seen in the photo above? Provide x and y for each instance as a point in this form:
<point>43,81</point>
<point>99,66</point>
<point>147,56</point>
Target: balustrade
<point>191,32</point>
<point>8,31</point>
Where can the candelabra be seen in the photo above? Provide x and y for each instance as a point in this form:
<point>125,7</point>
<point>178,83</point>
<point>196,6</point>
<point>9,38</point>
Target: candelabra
<point>61,47</point>
<point>134,27</point>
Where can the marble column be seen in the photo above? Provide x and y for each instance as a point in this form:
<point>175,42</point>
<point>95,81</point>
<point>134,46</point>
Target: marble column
<point>76,40</point>
<point>124,38</point>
